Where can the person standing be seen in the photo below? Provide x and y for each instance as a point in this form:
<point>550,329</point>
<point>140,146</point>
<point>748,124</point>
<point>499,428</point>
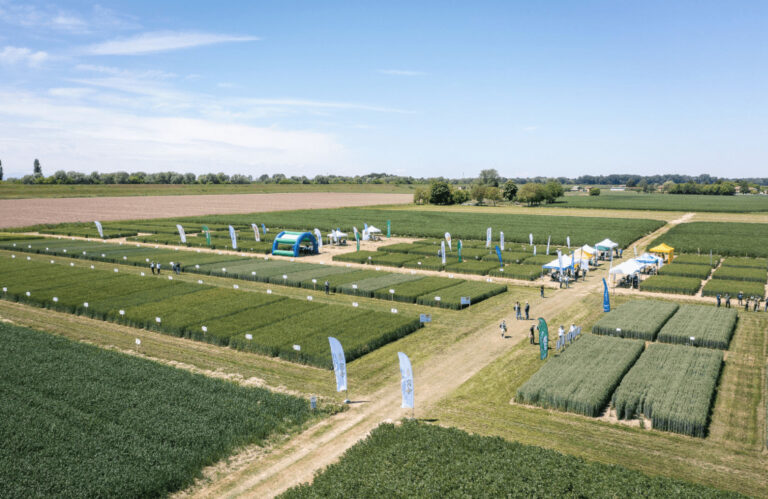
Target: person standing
<point>518,311</point>
<point>327,287</point>
<point>566,281</point>
<point>740,296</point>
<point>727,300</point>
<point>718,300</point>
<point>541,291</point>
<point>157,266</point>
<point>757,304</point>
<point>766,305</point>
<point>746,305</point>
<point>561,335</point>
<point>527,310</point>
<point>530,334</point>
<point>152,267</point>
<point>503,327</point>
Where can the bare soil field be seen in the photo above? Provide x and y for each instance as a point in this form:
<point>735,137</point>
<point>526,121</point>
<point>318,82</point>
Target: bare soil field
<point>24,212</point>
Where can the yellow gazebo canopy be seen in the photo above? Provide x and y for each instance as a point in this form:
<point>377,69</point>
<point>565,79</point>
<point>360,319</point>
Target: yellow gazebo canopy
<point>669,251</point>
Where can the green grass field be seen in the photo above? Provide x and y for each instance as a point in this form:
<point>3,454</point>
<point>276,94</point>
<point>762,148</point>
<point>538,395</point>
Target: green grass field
<point>80,421</point>
<point>21,191</point>
<point>665,202</point>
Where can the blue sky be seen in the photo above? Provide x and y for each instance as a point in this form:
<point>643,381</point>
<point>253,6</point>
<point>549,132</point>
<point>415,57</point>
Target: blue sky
<point>412,88</point>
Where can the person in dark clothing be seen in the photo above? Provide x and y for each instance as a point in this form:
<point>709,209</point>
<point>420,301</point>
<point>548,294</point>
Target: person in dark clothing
<point>152,267</point>
<point>740,296</point>
<point>542,291</point>
<point>746,305</point>
<point>178,268</point>
<point>718,300</point>
<point>327,287</point>
<point>531,335</point>
<point>527,309</point>
<point>757,304</point>
<point>727,300</point>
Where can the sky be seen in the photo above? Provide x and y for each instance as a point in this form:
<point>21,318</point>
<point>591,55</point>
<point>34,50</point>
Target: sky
<point>444,88</point>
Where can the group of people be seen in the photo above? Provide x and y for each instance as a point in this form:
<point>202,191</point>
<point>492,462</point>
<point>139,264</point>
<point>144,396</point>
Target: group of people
<point>518,315</point>
<point>565,277</point>
<point>743,301</point>
<point>156,267</point>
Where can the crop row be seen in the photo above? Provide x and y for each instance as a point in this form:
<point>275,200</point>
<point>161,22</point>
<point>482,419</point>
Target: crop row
<point>466,226</point>
<point>415,459</point>
<point>81,421</point>
<point>671,284</point>
<point>368,283</point>
<point>583,377</point>
<point>219,316</point>
<point>672,385</point>
<point>641,319</point>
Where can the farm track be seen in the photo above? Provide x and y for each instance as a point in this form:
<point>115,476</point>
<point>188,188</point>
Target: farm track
<point>25,212</point>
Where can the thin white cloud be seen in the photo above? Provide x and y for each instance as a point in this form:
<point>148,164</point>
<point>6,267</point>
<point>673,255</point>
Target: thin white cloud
<point>22,55</point>
<point>400,72</point>
<point>151,74</point>
<point>162,41</point>
<point>74,135</point>
<point>52,17</point>
<point>530,128</point>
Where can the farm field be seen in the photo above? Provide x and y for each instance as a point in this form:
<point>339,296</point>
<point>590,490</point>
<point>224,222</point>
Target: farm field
<point>117,425</point>
<point>671,385</point>
<point>727,239</point>
<point>258,322</point>
<point>431,461</point>
<point>671,284</point>
<point>712,327</point>
<point>22,191</point>
<point>733,287</point>
<point>666,202</point>
<point>640,319</point>
<point>357,282</point>
<point>583,377</point>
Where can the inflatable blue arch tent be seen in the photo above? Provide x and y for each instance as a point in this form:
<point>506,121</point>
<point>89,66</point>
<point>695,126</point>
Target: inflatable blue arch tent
<point>294,240</point>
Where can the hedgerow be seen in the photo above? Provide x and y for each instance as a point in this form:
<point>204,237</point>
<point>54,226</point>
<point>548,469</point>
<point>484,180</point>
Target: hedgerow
<point>583,377</point>
<point>639,319</point>
<point>672,385</point>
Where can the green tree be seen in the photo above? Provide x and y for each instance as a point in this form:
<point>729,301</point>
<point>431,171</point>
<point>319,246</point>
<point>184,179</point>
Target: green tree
<point>489,177</point>
<point>37,170</point>
<point>743,186</point>
<point>1,171</point>
<point>420,195</point>
<point>440,193</point>
<point>509,190</point>
<point>478,193</point>
<point>594,191</point>
<point>493,194</point>
<point>531,193</point>
<point>460,196</point>
<point>553,190</point>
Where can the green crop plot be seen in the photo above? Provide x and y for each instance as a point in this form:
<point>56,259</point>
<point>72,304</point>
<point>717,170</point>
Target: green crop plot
<point>420,460</point>
<point>640,319</point>
<point>671,284</point>
<point>79,421</point>
<point>630,200</point>
<point>183,309</point>
<point>733,288</point>
<point>450,297</point>
<point>690,259</point>
<point>724,238</point>
<point>583,377</point>
<point>735,261</point>
<point>466,226</point>
<point>673,386</point>
<point>741,274</point>
<point>700,272</point>
<point>712,327</point>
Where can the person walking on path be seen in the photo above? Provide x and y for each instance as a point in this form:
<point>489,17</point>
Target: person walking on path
<point>718,300</point>
<point>503,327</point>
<point>527,310</point>
<point>740,296</point>
<point>518,311</point>
<point>152,267</point>
<point>327,288</point>
<point>541,291</point>
<point>530,334</point>
<point>727,300</point>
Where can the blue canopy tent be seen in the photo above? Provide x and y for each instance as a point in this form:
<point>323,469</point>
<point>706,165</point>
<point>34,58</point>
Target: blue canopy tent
<point>649,259</point>
<point>294,241</point>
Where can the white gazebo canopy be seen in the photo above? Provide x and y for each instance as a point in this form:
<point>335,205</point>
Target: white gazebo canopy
<point>629,267</point>
<point>372,230</point>
<point>606,244</point>
<point>555,264</point>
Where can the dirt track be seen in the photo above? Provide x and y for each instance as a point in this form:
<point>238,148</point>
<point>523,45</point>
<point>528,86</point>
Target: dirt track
<point>23,212</point>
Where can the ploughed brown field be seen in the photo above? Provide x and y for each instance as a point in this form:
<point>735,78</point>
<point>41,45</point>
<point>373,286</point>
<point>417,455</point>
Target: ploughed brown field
<point>23,212</point>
